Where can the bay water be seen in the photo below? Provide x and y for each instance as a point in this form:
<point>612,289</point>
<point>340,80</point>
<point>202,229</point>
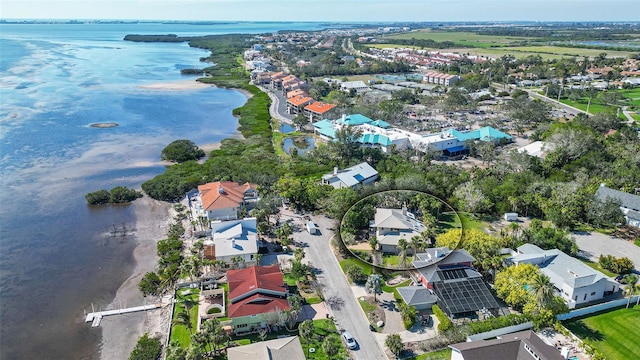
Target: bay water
<point>56,255</point>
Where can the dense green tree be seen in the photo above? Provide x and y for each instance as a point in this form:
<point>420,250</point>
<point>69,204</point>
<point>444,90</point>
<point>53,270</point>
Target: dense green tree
<point>605,213</point>
<point>150,284</point>
<point>512,284</point>
<point>355,273</point>
<point>146,349</point>
<point>181,151</point>
<point>98,197</point>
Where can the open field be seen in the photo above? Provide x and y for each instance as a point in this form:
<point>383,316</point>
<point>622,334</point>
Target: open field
<point>498,52</point>
<point>612,333</point>
<point>393,46</point>
<point>633,95</point>
<point>569,51</point>
<point>461,38</point>
<point>594,108</point>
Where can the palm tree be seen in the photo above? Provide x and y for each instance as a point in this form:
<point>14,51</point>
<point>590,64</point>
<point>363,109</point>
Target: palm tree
<point>298,254</point>
<point>543,290</point>
<point>183,318</point>
<point>402,254</point>
<point>373,243</point>
<point>416,244</point>
<point>306,332</point>
<point>236,261</point>
<point>632,288</point>
<point>329,346</point>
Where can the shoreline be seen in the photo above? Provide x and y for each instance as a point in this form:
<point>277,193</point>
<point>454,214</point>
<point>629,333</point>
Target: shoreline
<point>120,333</point>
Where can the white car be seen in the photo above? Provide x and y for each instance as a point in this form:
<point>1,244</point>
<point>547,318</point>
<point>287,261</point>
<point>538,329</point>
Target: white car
<point>349,340</point>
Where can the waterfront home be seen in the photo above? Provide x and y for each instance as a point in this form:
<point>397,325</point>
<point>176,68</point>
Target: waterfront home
<point>222,200</point>
<point>286,348</point>
<point>257,296</point>
<point>235,242</point>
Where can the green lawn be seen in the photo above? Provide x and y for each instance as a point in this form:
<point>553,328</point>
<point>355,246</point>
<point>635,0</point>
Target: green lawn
<point>322,328</point>
<point>180,333</point>
<point>460,38</point>
<point>434,355</point>
<point>637,242</point>
<point>391,260</point>
<point>569,51</point>
<point>366,268</point>
<point>594,108</point>
<point>614,333</point>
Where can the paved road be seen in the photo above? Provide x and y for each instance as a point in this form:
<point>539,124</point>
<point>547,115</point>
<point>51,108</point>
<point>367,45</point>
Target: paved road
<point>337,292</point>
<point>555,103</point>
<point>594,244</point>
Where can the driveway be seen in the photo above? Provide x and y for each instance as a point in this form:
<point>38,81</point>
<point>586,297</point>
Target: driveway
<point>338,295</point>
<point>593,244</point>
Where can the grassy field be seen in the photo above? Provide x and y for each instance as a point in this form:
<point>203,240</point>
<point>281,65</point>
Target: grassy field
<point>389,289</point>
<point>181,333</point>
<point>614,333</point>
<point>594,108</point>
<point>393,46</point>
<point>461,38</point>
<point>633,95</point>
<point>569,51</point>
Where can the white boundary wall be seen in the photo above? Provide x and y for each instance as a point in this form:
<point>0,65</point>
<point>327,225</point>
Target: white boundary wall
<point>595,308</point>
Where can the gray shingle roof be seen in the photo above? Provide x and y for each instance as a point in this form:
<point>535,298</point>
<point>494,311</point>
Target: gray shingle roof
<point>508,347</point>
<point>417,295</point>
<point>628,201</point>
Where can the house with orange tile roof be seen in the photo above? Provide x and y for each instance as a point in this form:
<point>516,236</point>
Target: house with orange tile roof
<point>296,104</point>
<point>223,200</point>
<point>257,296</point>
<point>317,111</point>
<point>296,92</point>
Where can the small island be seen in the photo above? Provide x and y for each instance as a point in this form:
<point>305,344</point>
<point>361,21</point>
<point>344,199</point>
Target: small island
<point>104,125</point>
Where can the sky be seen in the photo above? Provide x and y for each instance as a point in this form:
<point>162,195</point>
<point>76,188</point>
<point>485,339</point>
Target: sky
<point>326,10</point>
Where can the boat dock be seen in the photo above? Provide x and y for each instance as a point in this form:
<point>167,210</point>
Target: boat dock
<point>95,317</point>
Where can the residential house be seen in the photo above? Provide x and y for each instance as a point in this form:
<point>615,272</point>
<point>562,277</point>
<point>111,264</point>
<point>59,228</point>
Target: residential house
<point>418,296</point>
<point>287,348</point>
<point>296,92</point>
<point>358,86</point>
<point>391,225</point>
<point>629,203</point>
<point>276,80</point>
<point>449,275</point>
<point>234,239</point>
<point>523,345</point>
<point>317,111</point>
<point>296,104</point>
<point>257,296</point>
<point>360,174</point>
<point>576,282</point>
<point>222,200</point>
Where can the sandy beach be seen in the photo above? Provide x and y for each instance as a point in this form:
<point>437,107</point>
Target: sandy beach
<point>179,85</point>
<point>121,332</point>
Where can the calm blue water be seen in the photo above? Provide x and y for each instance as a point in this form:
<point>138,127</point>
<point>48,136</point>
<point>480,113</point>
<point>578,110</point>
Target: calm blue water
<point>55,80</point>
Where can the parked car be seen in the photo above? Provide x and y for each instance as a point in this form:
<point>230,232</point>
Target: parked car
<point>349,340</point>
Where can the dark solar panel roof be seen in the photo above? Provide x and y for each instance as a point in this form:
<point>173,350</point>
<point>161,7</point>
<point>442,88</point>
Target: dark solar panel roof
<point>462,296</point>
<point>452,274</point>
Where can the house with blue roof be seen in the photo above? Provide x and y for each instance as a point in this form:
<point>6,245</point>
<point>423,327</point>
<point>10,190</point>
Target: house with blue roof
<point>381,135</point>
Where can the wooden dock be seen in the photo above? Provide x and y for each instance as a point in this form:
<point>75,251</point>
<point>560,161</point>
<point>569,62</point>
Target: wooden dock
<point>95,317</point>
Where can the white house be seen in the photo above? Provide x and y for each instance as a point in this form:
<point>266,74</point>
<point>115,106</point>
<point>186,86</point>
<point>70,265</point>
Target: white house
<point>222,200</point>
<point>358,86</point>
<point>360,174</point>
<point>391,225</point>
<point>235,238</point>
<point>576,282</point>
<point>629,203</point>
